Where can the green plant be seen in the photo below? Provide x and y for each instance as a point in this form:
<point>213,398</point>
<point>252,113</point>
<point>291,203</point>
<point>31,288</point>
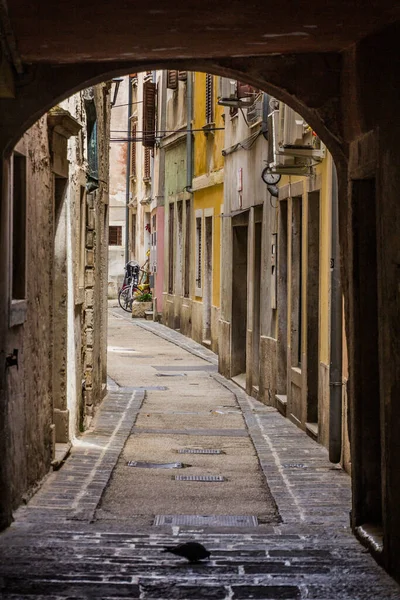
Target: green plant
<point>143,296</point>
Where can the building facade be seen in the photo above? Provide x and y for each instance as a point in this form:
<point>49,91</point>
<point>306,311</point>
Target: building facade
<point>56,247</point>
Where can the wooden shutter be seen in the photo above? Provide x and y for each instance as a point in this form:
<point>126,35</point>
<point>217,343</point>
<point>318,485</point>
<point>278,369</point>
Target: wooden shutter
<point>146,166</point>
<point>182,75</point>
<point>149,114</point>
<point>209,98</point>
<point>172,80</point>
<point>133,149</point>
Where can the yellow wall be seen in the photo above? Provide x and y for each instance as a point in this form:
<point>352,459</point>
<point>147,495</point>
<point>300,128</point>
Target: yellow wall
<point>204,144</point>
<point>212,198</point>
<point>208,158</point>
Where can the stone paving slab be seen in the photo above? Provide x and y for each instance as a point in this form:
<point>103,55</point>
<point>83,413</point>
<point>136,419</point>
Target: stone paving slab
<point>55,551</point>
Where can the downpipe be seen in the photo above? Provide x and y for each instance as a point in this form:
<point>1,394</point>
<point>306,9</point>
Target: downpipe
<point>128,170</point>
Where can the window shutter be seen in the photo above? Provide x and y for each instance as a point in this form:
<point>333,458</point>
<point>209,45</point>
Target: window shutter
<point>133,149</point>
<point>209,98</point>
<point>149,114</point>
<point>172,80</point>
<point>182,75</point>
<point>146,169</point>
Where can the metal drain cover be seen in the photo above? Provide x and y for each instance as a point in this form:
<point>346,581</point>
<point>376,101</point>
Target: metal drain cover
<point>199,451</point>
<point>170,374</point>
<point>199,478</point>
<point>148,465</point>
<point>207,520</point>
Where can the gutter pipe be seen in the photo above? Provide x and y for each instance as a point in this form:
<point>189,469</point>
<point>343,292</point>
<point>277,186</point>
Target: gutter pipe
<point>189,134</point>
<point>335,371</point>
<point>128,171</point>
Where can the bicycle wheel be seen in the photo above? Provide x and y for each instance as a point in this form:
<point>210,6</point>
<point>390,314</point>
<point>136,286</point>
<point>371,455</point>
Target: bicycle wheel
<point>125,298</point>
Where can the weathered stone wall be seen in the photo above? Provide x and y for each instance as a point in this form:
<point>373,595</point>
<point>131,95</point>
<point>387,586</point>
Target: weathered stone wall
<point>49,327</point>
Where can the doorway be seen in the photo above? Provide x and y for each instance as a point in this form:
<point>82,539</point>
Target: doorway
<point>367,449</point>
<point>256,308</point>
<point>239,301</point>
<point>207,298</point>
<point>313,272</point>
<point>282,303</point>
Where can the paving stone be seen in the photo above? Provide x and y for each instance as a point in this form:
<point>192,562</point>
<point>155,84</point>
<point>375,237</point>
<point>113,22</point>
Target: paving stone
<point>246,592</point>
<point>56,550</point>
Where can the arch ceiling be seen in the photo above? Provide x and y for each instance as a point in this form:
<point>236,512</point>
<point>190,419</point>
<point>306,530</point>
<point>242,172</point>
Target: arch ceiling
<point>99,30</point>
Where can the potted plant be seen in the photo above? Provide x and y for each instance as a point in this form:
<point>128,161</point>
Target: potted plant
<point>142,302</point>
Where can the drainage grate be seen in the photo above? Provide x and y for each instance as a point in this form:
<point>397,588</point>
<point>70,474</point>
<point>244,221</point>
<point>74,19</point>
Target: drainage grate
<point>170,374</point>
<point>207,520</point>
<point>148,465</point>
<point>199,451</point>
<point>199,478</point>
<point>204,367</point>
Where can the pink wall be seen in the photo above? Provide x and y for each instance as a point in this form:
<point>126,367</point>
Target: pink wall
<point>159,276</point>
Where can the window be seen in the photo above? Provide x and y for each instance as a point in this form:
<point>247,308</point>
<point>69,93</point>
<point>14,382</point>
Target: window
<point>209,98</point>
<point>171,256</point>
<point>146,165</point>
<point>198,253</point>
<point>92,154</point>
<point>115,235</point>
<point>19,227</point>
<point>186,290</point>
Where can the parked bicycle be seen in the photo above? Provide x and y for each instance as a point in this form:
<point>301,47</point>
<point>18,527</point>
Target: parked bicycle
<point>135,279</point>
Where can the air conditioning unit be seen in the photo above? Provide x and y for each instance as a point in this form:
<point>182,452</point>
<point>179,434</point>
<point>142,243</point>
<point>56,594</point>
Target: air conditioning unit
<point>293,128</point>
<point>279,161</point>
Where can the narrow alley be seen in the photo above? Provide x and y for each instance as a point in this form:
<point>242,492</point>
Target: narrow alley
<point>267,503</point>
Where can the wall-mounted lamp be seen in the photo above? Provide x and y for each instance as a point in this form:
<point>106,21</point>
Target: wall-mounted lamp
<point>117,82</point>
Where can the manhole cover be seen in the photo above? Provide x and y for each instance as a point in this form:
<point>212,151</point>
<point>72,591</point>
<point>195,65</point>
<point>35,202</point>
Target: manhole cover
<point>199,478</point>
<point>199,451</point>
<point>146,388</point>
<point>207,520</point>
<point>170,374</point>
<point>294,466</point>
<point>205,367</point>
<point>148,465</point>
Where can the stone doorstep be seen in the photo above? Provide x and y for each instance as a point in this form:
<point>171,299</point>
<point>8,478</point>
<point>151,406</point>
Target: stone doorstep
<point>62,451</point>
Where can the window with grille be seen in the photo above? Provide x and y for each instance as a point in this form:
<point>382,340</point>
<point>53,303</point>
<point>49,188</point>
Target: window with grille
<point>171,256</point>
<point>199,240</point>
<point>186,290</point>
<point>133,148</point>
<point>146,165</point>
<point>209,98</point>
<point>115,235</point>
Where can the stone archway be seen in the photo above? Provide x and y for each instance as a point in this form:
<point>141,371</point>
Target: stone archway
<point>350,100</point>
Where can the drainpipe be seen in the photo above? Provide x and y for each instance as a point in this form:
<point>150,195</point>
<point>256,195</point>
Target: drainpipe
<point>128,167</point>
<point>189,135</point>
<point>335,372</point>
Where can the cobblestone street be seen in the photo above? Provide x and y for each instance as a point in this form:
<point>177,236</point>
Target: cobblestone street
<point>90,530</point>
